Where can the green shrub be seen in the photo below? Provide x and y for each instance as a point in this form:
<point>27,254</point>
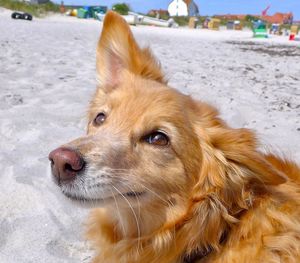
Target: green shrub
<point>121,8</point>
<point>34,9</point>
<point>181,20</point>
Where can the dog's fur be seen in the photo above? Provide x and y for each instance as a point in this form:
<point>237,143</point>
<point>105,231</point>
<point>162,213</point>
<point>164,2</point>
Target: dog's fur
<point>208,196</point>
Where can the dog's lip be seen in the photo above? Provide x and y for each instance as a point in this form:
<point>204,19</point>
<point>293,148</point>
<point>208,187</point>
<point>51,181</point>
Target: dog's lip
<point>131,194</point>
<point>134,193</point>
<point>59,182</point>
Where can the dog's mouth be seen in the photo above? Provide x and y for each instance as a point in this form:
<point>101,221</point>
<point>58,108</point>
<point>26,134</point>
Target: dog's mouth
<point>132,195</point>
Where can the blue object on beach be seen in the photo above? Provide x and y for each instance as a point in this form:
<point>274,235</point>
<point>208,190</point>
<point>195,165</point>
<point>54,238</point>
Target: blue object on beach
<point>82,13</point>
<point>260,29</point>
<point>89,11</point>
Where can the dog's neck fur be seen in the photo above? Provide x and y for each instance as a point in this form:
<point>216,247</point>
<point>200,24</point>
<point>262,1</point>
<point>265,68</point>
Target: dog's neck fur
<point>130,243</point>
<point>136,222</point>
<point>142,221</point>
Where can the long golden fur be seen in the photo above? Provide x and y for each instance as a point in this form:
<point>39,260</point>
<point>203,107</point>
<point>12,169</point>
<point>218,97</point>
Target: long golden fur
<point>208,196</point>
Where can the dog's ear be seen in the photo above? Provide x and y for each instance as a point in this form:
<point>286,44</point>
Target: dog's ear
<point>118,51</point>
<point>228,151</point>
<point>239,148</point>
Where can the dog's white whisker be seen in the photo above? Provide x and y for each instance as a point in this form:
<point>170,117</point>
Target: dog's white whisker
<point>134,214</point>
<point>119,214</point>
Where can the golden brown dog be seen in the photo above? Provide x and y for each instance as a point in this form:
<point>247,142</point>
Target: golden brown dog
<point>171,181</point>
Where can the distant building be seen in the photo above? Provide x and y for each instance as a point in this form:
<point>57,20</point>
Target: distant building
<point>178,8</point>
<point>183,8</point>
<point>193,9</point>
<point>279,18</point>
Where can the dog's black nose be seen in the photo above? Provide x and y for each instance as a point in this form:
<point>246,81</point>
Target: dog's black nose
<point>65,163</point>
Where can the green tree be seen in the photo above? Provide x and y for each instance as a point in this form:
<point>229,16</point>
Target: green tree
<point>250,18</point>
<point>121,8</point>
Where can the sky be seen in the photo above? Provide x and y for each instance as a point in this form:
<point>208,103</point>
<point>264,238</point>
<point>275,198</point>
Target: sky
<point>207,7</point>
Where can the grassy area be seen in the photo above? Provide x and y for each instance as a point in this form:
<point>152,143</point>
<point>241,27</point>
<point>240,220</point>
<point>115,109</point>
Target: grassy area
<point>181,20</point>
<point>34,9</point>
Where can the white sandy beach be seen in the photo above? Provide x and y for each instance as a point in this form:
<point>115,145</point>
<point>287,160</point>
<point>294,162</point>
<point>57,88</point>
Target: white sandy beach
<point>47,76</point>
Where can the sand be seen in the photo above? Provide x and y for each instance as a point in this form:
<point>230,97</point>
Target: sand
<point>47,76</point>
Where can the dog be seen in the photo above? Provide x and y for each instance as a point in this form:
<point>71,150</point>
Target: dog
<point>170,181</point>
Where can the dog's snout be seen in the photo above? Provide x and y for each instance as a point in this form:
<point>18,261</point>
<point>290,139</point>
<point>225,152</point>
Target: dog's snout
<point>66,163</point>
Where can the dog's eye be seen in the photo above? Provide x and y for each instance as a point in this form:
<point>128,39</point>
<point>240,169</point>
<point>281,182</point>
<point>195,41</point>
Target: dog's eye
<point>100,118</point>
<point>157,138</point>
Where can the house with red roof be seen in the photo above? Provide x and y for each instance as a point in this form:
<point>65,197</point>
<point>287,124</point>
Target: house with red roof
<point>279,18</point>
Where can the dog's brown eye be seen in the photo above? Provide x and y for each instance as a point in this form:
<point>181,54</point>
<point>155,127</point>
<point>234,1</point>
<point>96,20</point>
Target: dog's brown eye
<point>100,118</point>
<point>157,138</point>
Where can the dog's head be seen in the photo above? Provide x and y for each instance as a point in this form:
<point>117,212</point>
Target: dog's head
<point>149,145</point>
<point>140,135</point>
